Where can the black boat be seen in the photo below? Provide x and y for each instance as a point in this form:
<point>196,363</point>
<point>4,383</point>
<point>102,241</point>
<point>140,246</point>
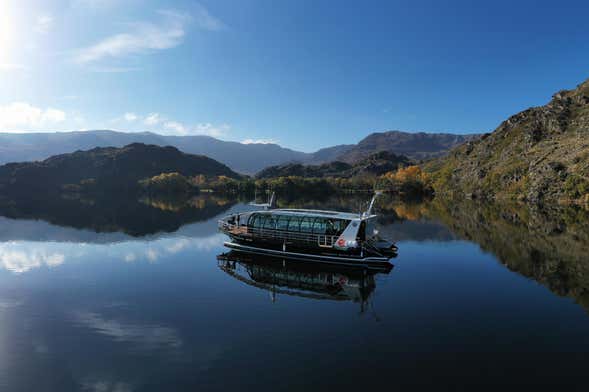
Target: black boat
<point>326,236</point>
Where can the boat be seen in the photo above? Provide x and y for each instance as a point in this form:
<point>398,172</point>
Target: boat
<point>325,236</point>
<point>310,280</point>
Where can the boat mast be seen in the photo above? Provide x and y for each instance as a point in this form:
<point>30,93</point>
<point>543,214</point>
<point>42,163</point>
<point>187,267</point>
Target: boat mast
<point>369,211</point>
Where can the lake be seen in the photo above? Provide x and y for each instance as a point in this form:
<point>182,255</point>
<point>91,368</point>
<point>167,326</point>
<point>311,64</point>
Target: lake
<point>142,296</point>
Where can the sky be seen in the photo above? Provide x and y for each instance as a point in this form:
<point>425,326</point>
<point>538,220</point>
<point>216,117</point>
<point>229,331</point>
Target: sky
<point>304,74</point>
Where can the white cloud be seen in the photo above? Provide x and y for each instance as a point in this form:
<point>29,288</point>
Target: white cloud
<point>259,141</point>
<point>211,130</point>
<point>43,24</point>
<point>152,119</point>
<point>152,255</point>
<point>157,122</point>
<point>106,386</point>
<point>130,257</point>
<point>94,4</point>
<point>203,243</point>
<point>130,117</point>
<point>175,126</point>
<point>144,336</point>
<point>205,20</point>
<point>18,259</point>
<point>208,129</point>
<point>145,37</point>
<point>102,69</point>
<point>24,116</point>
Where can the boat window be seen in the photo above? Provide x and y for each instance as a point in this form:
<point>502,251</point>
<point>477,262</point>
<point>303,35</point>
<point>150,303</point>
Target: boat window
<point>307,225</point>
<point>319,226</point>
<point>269,222</point>
<point>371,230</point>
<point>282,222</point>
<point>294,223</point>
<point>253,220</point>
<point>330,227</point>
<point>335,226</point>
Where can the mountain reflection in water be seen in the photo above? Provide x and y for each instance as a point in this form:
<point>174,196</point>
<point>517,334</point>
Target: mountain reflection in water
<point>550,246</point>
<point>113,213</point>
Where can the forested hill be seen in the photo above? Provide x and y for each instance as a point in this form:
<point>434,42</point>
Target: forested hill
<point>375,164</point>
<point>105,168</point>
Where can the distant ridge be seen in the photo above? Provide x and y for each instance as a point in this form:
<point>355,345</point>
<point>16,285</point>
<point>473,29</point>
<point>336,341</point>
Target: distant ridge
<point>243,158</point>
<point>418,145</point>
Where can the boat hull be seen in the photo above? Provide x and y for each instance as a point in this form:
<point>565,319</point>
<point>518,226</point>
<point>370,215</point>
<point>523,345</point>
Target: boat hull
<point>324,258</point>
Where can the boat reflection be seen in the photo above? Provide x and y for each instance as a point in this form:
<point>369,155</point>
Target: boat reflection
<point>303,279</point>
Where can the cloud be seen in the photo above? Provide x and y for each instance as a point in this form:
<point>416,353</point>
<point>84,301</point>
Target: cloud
<point>157,122</point>
<point>259,141</point>
<point>203,243</point>
<point>152,119</point>
<point>130,117</point>
<point>205,20</point>
<point>144,336</point>
<point>152,255</point>
<point>144,38</point>
<point>94,4</point>
<point>19,261</point>
<point>22,116</point>
<point>175,126</point>
<point>43,24</point>
<point>130,257</point>
<point>102,69</point>
<point>210,130</point>
<point>106,386</point>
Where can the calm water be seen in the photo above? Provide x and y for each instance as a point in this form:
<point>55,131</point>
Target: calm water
<point>134,297</point>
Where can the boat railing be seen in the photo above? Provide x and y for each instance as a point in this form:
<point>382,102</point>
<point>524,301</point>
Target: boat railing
<point>322,240</point>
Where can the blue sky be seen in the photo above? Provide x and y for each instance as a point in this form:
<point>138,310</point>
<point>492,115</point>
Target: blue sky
<point>306,74</point>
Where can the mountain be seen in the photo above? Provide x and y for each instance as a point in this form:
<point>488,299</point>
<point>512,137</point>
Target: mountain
<point>418,145</point>
<point>104,169</point>
<point>538,155</point>
<point>328,154</point>
<point>375,164</point>
<point>244,158</point>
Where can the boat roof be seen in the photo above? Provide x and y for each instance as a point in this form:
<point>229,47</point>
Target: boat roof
<point>318,213</point>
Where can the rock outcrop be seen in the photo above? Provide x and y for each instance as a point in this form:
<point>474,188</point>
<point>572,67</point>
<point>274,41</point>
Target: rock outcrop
<point>540,155</point>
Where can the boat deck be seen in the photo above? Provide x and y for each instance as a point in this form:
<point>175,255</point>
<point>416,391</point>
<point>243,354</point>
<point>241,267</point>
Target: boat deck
<point>238,230</point>
<point>334,259</point>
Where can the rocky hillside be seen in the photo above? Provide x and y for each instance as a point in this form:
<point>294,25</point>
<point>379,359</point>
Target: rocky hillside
<point>375,164</point>
<point>104,169</point>
<point>419,145</point>
<point>538,155</point>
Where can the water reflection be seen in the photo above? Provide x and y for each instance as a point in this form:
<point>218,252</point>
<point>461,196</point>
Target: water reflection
<point>303,279</point>
<point>117,214</point>
<point>550,246</point>
<point>86,305</point>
